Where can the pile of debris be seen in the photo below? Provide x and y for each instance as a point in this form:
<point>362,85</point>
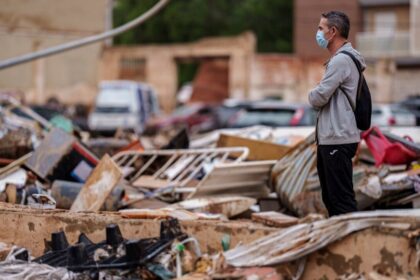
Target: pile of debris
<point>380,186</point>
<point>236,163</point>
<point>261,174</point>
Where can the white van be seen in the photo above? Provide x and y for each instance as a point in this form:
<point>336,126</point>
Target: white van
<point>122,104</point>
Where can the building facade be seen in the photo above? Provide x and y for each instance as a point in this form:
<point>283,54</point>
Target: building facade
<point>386,32</point>
<point>229,67</point>
<point>306,19</point>
<point>390,40</point>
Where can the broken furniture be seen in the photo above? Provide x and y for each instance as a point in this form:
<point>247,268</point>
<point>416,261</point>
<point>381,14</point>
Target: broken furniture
<point>172,168</point>
<point>196,173</point>
<point>61,157</point>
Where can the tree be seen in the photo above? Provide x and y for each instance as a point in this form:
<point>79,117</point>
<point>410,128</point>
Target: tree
<point>189,20</point>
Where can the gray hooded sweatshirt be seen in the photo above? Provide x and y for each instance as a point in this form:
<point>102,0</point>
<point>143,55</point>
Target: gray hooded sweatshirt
<point>336,123</point>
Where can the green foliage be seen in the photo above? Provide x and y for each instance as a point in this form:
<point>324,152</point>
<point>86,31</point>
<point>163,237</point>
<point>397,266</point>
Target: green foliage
<point>189,20</point>
<point>186,72</point>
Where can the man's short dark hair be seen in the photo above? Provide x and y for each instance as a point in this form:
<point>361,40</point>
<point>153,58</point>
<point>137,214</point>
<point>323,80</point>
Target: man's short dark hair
<point>340,21</point>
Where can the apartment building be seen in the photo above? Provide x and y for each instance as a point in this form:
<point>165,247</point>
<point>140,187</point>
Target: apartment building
<point>386,32</point>
<point>390,40</point>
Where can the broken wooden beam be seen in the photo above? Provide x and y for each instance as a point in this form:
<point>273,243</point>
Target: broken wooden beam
<point>99,185</point>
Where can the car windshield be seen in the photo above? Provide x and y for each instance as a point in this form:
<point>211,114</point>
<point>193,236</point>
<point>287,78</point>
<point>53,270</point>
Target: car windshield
<point>269,117</point>
<point>112,109</point>
<point>119,98</point>
<point>400,111</point>
<point>376,111</point>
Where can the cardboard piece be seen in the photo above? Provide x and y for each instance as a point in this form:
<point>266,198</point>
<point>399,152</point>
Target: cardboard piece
<point>258,150</point>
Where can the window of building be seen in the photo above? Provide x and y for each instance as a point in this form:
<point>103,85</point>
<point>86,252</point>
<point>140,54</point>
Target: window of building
<point>385,23</point>
<point>132,69</point>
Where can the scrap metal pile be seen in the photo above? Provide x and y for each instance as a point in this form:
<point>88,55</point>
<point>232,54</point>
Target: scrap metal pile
<point>379,186</point>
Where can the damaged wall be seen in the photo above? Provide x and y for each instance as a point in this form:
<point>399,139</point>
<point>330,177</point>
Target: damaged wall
<point>27,26</point>
<point>250,75</point>
<point>285,76</point>
<point>32,227</point>
<point>161,68</point>
<point>390,251</point>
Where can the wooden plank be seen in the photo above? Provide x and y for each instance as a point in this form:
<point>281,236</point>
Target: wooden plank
<point>15,165</point>
<point>227,205</point>
<point>150,182</point>
<point>257,190</point>
<point>258,150</point>
<point>181,215</point>
<point>275,219</point>
<point>98,186</point>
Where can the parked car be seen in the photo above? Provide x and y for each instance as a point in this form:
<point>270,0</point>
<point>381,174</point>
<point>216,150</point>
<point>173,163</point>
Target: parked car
<point>392,115</point>
<point>195,117</point>
<point>123,104</point>
<point>275,114</point>
<point>412,103</point>
<point>228,109</point>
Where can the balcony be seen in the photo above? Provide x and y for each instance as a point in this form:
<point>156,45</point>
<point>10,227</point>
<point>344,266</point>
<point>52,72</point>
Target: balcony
<point>372,44</point>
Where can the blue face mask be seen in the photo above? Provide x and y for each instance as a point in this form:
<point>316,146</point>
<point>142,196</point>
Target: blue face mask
<point>320,39</point>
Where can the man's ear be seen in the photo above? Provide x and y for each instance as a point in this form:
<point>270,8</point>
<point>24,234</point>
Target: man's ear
<point>334,30</point>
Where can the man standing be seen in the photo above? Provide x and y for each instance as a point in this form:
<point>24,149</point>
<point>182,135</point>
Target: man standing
<point>334,98</point>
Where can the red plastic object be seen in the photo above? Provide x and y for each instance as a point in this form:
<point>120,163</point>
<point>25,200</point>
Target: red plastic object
<point>384,151</point>
<point>297,117</point>
<point>392,121</point>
